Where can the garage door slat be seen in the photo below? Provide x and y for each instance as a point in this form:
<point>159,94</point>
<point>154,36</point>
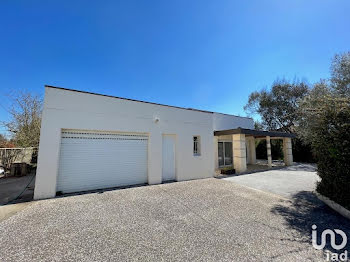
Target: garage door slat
<point>92,160</point>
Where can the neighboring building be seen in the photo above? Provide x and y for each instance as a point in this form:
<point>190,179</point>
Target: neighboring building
<point>90,141</point>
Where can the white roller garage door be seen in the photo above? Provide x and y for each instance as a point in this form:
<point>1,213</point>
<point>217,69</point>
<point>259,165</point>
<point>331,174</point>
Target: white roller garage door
<point>95,160</point>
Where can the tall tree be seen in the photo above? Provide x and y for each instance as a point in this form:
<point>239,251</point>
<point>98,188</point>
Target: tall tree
<point>340,74</point>
<point>278,107</point>
<point>25,119</point>
<point>325,123</point>
<point>330,92</point>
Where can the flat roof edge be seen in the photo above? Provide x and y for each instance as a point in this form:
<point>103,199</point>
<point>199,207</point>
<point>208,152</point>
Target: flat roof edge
<point>233,115</point>
<point>128,99</point>
<point>140,101</point>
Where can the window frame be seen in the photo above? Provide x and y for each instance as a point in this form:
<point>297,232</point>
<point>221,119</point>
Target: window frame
<point>196,145</point>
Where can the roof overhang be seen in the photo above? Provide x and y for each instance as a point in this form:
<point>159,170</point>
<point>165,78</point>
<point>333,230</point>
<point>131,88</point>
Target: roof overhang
<point>252,132</point>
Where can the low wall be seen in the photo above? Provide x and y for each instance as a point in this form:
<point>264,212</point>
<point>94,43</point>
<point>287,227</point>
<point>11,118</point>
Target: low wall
<point>335,206</point>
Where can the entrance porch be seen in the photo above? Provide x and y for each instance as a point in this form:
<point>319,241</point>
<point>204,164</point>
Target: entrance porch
<point>237,148</point>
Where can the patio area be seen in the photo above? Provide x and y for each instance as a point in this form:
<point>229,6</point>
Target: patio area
<point>236,148</point>
<point>281,180</point>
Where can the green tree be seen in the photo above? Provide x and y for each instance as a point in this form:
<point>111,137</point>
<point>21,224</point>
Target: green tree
<point>278,109</point>
<point>331,91</point>
<point>340,74</point>
<point>325,122</point>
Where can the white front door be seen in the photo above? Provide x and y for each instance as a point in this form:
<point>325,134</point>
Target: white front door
<point>168,158</point>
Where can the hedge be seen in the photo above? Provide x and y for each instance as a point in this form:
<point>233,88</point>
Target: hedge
<point>329,132</point>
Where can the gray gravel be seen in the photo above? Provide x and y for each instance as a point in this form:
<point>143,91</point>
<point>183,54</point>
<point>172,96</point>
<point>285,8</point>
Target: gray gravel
<point>285,182</point>
<point>202,220</point>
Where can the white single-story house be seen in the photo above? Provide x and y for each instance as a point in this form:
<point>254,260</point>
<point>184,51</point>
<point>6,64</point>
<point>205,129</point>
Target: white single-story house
<point>90,141</point>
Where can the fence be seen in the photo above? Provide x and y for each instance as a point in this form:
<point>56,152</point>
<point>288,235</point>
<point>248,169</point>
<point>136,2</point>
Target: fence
<point>17,155</point>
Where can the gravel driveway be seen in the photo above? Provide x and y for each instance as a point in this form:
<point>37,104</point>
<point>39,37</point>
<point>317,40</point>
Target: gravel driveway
<point>285,182</point>
<point>208,219</point>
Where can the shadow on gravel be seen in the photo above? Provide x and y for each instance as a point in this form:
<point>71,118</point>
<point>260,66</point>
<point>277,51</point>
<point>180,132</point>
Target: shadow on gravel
<point>302,167</point>
<point>305,210</point>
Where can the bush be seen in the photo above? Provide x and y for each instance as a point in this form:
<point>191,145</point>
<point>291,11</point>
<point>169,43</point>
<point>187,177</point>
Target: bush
<point>302,152</point>
<point>276,149</point>
<point>327,126</point>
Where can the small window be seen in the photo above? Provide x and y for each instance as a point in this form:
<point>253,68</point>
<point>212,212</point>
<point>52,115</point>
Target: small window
<point>196,146</point>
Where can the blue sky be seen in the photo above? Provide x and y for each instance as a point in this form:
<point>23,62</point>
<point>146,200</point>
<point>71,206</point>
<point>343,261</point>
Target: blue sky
<point>203,54</point>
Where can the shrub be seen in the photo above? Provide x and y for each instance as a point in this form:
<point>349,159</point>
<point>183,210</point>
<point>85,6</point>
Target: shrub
<point>302,152</point>
<point>326,124</point>
<point>276,149</point>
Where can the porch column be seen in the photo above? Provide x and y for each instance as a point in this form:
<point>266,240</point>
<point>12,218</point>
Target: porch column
<point>268,146</point>
<point>216,153</point>
<point>239,153</point>
<point>247,145</point>
<point>287,151</point>
<point>252,151</point>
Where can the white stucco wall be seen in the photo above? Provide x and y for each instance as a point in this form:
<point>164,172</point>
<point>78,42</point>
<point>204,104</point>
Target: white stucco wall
<point>224,121</point>
<point>64,109</point>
